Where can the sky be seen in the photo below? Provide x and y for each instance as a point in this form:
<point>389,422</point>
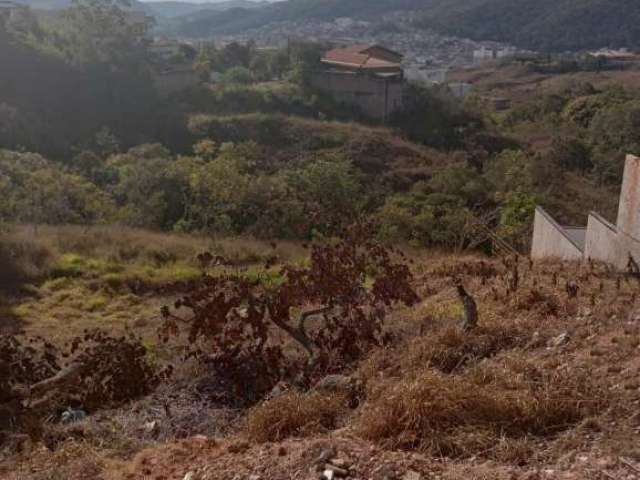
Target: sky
<point>209,1</point>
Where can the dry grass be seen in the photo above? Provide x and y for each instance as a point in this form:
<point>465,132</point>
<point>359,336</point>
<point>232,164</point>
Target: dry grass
<point>502,392</point>
<point>453,349</point>
<point>119,244</point>
<point>476,412</point>
<point>295,414</point>
<point>107,276</point>
<point>22,262</point>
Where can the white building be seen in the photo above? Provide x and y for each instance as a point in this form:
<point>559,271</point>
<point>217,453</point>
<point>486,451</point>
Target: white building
<point>485,54</point>
<point>429,76</point>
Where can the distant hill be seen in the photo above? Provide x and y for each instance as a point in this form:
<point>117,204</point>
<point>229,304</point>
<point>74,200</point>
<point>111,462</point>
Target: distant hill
<point>61,4</point>
<point>172,9</point>
<point>549,25</point>
<point>160,9</point>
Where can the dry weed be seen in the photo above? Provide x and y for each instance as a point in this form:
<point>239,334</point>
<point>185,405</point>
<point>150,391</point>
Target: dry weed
<point>295,414</point>
<point>474,413</point>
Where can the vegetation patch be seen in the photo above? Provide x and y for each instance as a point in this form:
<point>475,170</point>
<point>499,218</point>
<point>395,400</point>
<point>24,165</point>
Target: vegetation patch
<point>296,414</point>
<point>453,349</point>
<point>468,414</point>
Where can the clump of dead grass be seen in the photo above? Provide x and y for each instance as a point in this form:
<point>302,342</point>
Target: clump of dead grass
<point>453,348</point>
<point>448,349</point>
<point>296,414</point>
<point>539,301</point>
<point>476,412</point>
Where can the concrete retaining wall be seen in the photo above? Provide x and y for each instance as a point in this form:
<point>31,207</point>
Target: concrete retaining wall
<point>550,240</point>
<point>629,206</point>
<point>602,240</point>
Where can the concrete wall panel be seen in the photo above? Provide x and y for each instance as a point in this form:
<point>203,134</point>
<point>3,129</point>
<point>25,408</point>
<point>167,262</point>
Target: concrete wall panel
<point>601,243</point>
<point>629,207</point>
<point>549,240</point>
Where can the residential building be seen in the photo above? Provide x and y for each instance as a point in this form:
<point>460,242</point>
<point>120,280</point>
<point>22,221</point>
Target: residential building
<point>428,76</point>
<point>599,240</point>
<point>485,54</point>
<point>611,54</point>
<point>368,76</point>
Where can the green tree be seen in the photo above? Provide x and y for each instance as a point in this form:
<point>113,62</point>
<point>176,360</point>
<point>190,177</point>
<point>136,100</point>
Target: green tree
<point>571,154</point>
<point>148,190</point>
<point>237,76</point>
<point>331,191</point>
<point>103,32</point>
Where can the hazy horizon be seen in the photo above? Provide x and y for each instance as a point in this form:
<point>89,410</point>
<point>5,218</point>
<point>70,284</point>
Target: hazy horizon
<point>206,1</point>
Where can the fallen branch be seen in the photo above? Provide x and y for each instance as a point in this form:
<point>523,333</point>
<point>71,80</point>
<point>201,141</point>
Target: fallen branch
<point>62,378</point>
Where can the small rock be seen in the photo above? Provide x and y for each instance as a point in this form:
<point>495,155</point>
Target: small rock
<point>254,477</point>
<point>338,471</point>
<point>412,475</point>
<point>151,427</point>
<point>560,340</point>
<point>71,415</point>
<point>279,389</point>
<point>189,476</point>
<point>327,475</point>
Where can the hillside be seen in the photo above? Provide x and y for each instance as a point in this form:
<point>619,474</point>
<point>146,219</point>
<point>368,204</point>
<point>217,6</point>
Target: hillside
<point>544,25</point>
<point>169,9</point>
<point>547,25</point>
<point>544,387</point>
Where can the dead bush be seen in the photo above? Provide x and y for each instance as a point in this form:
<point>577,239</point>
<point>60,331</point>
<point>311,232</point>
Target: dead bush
<point>541,302</point>
<point>296,414</point>
<point>97,371</point>
<point>333,310</point>
<point>464,415</point>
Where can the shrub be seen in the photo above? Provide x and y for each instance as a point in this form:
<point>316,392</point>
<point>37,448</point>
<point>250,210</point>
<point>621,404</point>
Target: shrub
<point>237,76</point>
<point>96,371</point>
<point>243,323</point>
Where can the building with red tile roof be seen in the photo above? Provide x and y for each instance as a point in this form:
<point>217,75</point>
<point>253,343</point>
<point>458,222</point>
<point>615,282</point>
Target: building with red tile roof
<point>370,77</point>
<point>366,57</point>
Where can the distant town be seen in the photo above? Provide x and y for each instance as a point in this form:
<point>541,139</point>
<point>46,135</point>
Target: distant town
<point>421,48</point>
